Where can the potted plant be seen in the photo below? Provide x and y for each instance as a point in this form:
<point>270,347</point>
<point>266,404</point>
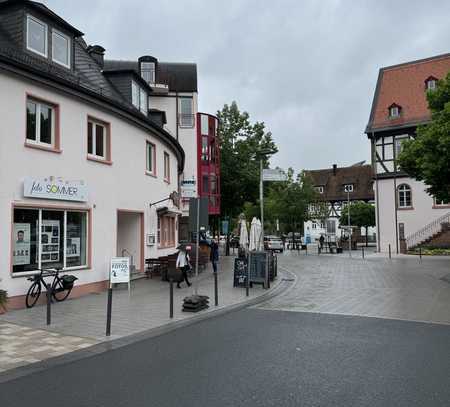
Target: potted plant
<point>3,300</point>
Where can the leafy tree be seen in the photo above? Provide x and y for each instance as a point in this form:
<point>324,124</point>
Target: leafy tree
<point>240,141</point>
<point>362,214</point>
<point>427,157</point>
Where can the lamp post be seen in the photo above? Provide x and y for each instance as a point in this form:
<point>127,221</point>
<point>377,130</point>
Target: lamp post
<point>348,221</point>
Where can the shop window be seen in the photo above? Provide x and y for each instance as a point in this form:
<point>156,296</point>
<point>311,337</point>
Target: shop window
<point>61,48</point>
<point>150,159</point>
<point>166,167</point>
<point>98,140</point>
<point>166,231</point>
<point>37,36</point>
<point>41,124</point>
<point>48,239</point>
<point>404,196</point>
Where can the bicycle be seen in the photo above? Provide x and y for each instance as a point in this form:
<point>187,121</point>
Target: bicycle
<point>60,286</point>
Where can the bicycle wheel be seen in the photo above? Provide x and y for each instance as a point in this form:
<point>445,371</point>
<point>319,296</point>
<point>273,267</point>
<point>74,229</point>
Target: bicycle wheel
<point>60,293</point>
<point>33,294</point>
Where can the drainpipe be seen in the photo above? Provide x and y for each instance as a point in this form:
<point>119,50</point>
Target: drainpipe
<point>176,113</point>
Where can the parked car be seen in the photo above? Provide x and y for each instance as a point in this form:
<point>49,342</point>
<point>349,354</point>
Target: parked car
<point>273,243</point>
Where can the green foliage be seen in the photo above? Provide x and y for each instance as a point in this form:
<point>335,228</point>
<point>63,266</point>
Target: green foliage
<point>362,214</point>
<point>427,157</point>
<point>240,142</point>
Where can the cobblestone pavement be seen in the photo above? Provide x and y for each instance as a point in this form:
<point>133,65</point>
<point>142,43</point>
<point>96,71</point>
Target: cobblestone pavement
<point>21,345</point>
<point>82,321</point>
<point>402,288</point>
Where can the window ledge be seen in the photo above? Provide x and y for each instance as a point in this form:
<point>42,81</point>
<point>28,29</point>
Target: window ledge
<point>150,174</point>
<point>99,160</point>
<point>409,208</point>
<point>441,206</point>
<point>43,147</point>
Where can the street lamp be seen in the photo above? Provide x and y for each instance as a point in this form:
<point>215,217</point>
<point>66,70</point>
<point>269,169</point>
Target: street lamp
<point>347,189</point>
<point>263,153</point>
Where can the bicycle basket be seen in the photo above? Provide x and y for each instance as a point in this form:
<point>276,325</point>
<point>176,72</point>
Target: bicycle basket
<point>67,281</point>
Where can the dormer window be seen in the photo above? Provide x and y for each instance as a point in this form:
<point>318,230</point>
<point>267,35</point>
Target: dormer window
<point>319,189</point>
<point>348,188</point>
<point>37,36</point>
<point>394,111</point>
<point>431,83</point>
<point>139,98</point>
<point>148,72</point>
<point>61,48</point>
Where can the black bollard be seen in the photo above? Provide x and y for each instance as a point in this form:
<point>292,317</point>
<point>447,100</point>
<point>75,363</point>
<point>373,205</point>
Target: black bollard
<point>420,253</point>
<point>49,304</point>
<point>171,299</point>
<point>247,285</point>
<point>108,312</point>
<point>362,249</point>
<point>216,290</point>
<point>390,251</point>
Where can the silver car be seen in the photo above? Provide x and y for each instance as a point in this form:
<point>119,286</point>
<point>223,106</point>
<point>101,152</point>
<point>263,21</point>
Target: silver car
<point>273,243</point>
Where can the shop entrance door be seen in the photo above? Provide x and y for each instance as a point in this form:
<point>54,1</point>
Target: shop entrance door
<point>130,238</point>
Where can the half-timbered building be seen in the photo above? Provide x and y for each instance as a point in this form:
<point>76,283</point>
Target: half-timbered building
<point>406,214</point>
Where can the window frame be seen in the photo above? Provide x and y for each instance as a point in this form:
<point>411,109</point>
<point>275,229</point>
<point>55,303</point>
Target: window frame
<point>64,209</point>
<point>428,82</point>
<point>398,110</point>
<point>190,122</point>
<point>441,204</point>
<point>69,46</point>
<point>106,137</point>
<point>55,144</point>
<point>151,172</point>
<point>29,48</point>
<point>137,87</point>
<point>147,70</point>
<point>166,231</point>
<point>401,190</point>
<point>166,167</point>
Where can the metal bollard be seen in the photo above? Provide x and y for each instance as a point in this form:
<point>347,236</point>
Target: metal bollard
<point>390,251</point>
<point>247,285</point>
<point>216,290</point>
<point>362,248</point>
<point>49,304</point>
<point>171,299</point>
<point>108,312</point>
<point>420,253</point>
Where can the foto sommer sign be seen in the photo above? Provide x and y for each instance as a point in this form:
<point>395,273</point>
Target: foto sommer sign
<point>120,270</point>
<point>55,188</point>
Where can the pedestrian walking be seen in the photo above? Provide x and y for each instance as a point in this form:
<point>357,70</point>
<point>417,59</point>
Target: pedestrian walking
<point>321,240</point>
<point>183,263</point>
<point>214,254</point>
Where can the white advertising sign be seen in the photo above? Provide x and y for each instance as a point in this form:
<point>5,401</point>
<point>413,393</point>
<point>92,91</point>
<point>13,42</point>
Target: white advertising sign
<point>21,252</point>
<point>273,175</point>
<point>55,188</point>
<point>188,189</point>
<point>120,270</point>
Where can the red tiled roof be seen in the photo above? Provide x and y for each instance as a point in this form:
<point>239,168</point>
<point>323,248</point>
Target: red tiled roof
<point>404,85</point>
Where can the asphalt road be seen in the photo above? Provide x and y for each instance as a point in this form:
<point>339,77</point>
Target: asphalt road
<point>257,357</point>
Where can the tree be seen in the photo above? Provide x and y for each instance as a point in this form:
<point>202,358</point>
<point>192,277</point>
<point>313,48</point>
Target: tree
<point>362,214</point>
<point>240,141</point>
<point>427,157</point>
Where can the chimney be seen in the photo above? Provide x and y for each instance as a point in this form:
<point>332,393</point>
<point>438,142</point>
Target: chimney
<point>334,169</point>
<point>98,53</point>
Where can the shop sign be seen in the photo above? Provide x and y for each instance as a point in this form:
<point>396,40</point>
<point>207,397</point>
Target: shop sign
<point>188,189</point>
<point>273,175</point>
<point>21,251</point>
<point>55,188</point>
<point>120,270</point>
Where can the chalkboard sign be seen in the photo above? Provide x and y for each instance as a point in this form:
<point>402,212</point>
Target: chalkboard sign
<point>240,272</point>
<point>258,267</point>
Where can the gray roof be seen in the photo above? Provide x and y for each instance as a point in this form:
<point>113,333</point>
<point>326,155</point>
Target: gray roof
<point>180,76</point>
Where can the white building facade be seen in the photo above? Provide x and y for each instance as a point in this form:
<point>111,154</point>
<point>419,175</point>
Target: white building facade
<point>86,174</point>
<point>406,214</point>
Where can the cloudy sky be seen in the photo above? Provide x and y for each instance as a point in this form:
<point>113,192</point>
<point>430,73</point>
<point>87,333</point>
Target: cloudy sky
<point>307,68</point>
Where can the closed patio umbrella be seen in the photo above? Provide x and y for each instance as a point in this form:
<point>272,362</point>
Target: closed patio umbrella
<point>255,233</point>
<point>243,234</point>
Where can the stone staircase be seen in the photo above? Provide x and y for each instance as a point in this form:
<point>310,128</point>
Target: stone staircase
<point>434,235</point>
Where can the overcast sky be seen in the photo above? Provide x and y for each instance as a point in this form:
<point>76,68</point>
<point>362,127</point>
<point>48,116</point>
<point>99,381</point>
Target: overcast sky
<point>306,68</point>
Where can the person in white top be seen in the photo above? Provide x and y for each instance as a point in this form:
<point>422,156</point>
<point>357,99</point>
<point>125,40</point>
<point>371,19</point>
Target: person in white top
<point>183,263</point>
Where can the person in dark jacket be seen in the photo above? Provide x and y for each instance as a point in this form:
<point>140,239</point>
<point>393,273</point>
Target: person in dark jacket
<point>321,241</point>
<point>214,254</point>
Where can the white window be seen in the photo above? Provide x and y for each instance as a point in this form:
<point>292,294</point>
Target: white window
<point>186,116</point>
<point>150,158</point>
<point>37,36</point>
<point>40,123</point>
<point>143,101</point>
<point>319,189</point>
<point>97,140</point>
<point>348,188</point>
<point>166,167</point>
<point>61,48</point>
<point>441,202</point>
<point>399,140</point>
<point>135,94</point>
<point>394,111</point>
<point>431,84</point>
<point>148,72</point>
<point>404,196</point>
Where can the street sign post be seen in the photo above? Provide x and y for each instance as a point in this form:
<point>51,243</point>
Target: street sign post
<point>269,174</point>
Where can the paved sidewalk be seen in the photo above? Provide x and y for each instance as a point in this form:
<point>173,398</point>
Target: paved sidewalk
<point>80,322</point>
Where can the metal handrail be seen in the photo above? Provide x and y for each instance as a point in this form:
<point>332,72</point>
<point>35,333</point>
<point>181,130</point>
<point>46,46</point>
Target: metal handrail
<point>427,231</point>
